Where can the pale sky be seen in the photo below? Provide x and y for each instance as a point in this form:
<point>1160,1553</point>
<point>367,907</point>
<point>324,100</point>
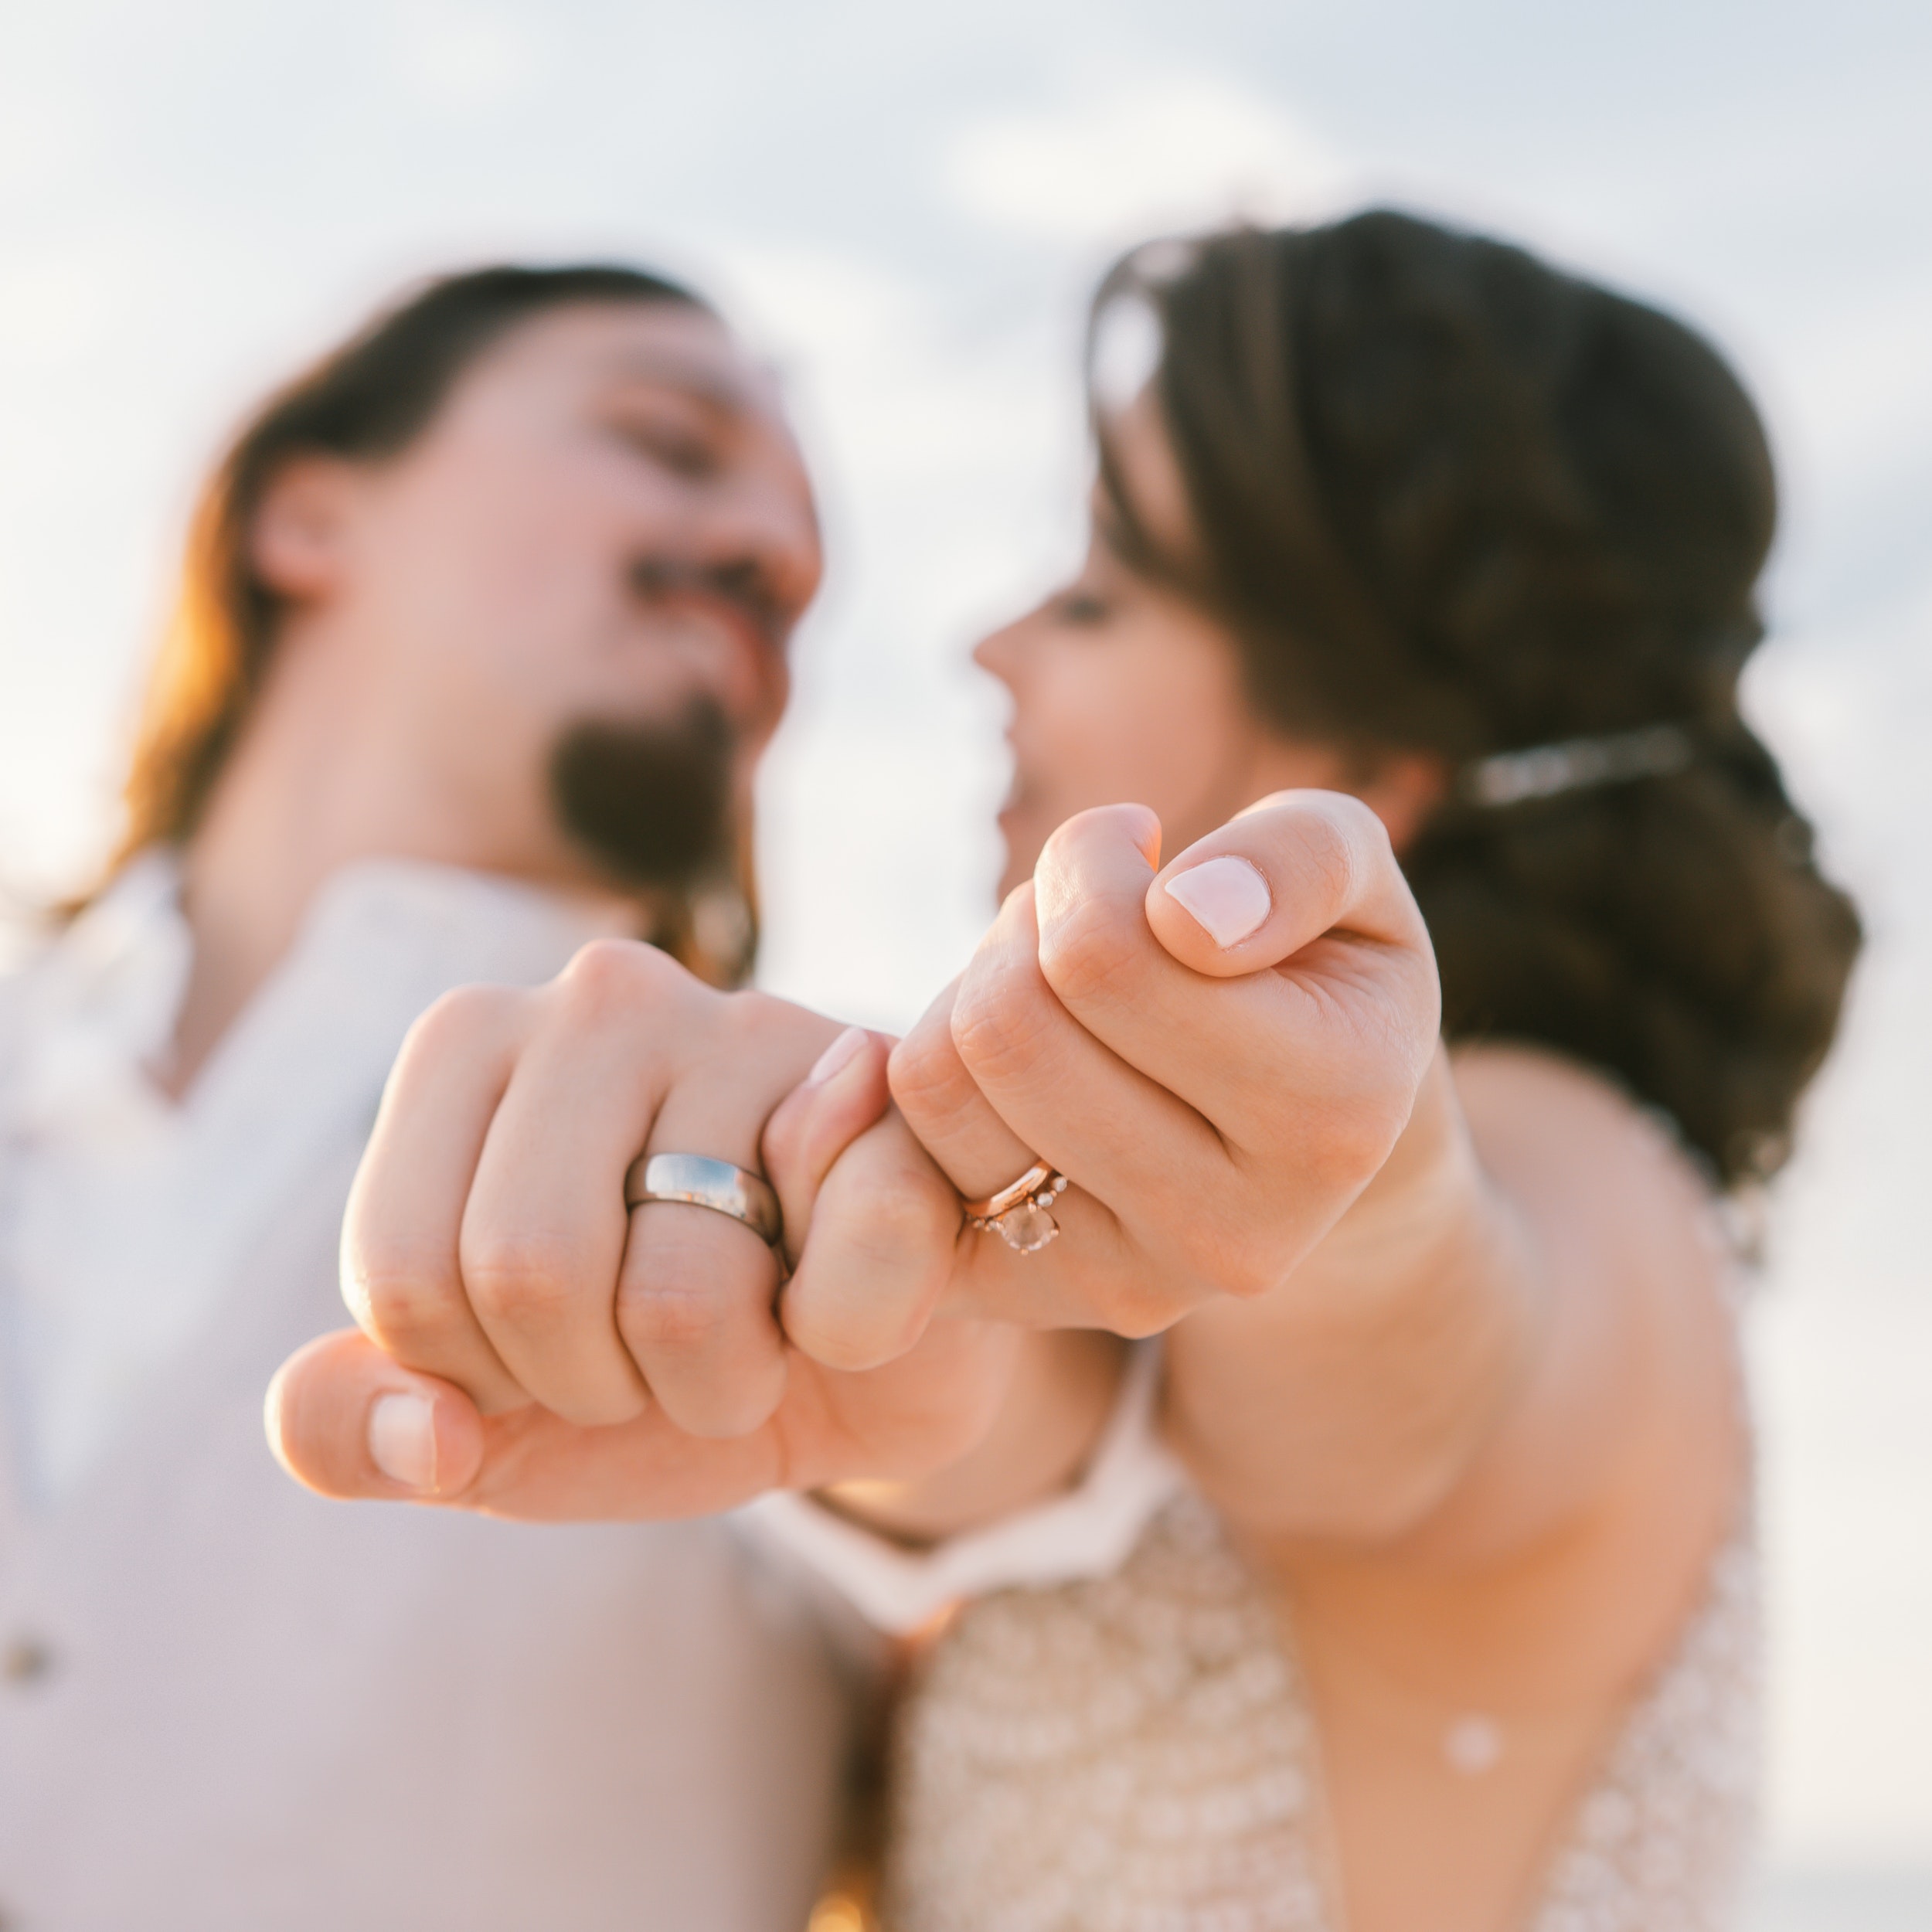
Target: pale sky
<point>905,207</point>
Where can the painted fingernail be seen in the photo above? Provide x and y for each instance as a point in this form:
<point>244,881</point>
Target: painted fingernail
<point>1227,897</point>
<point>402,1440</point>
<point>835,1056</point>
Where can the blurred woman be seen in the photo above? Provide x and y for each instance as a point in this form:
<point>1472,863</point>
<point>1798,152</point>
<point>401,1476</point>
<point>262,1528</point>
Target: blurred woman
<point>1406,513</point>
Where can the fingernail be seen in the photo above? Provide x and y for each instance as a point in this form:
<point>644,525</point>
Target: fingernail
<point>402,1440</point>
<point>836,1055</point>
<point>1227,897</point>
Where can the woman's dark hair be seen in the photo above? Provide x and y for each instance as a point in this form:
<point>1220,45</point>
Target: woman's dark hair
<point>1451,501</point>
<point>367,401</point>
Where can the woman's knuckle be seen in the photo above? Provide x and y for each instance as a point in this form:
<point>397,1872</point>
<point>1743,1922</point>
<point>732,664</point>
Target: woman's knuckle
<point>997,1023</point>
<point>1359,1129</point>
<point>1136,1312</point>
<point>1092,949</point>
<point>1251,1269</point>
<point>1231,1253</point>
<point>1326,853</point>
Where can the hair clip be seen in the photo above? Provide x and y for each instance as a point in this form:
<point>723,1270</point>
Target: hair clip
<point>1546,771</point>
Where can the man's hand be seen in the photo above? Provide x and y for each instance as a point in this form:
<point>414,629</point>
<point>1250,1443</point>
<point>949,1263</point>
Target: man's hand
<point>529,1347</point>
<point>1220,1075</point>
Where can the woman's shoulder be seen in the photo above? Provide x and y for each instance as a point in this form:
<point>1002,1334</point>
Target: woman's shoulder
<point>1560,1133</point>
<point>1513,1071</point>
<point>1635,1409</point>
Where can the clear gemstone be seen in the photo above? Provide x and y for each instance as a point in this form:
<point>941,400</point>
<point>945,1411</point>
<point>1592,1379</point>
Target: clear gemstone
<point>1028,1227</point>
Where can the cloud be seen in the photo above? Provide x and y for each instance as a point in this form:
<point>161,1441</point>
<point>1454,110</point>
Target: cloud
<point>1147,154</point>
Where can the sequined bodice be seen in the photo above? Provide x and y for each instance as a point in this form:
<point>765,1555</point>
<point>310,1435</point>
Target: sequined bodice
<point>1137,1754</point>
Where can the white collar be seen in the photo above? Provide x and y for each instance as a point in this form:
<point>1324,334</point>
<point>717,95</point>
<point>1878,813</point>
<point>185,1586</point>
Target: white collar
<point>380,940</point>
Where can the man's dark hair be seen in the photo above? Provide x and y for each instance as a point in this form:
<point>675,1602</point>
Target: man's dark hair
<point>367,401</point>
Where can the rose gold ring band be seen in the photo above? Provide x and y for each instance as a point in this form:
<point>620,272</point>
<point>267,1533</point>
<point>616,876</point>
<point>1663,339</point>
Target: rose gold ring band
<point>1020,1212</point>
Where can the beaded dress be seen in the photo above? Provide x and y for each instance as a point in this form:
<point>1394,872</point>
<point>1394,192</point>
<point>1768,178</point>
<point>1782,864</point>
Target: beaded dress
<point>1137,1753</point>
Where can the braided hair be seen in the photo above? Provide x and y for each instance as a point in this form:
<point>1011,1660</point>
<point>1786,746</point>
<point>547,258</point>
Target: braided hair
<point>1450,500</point>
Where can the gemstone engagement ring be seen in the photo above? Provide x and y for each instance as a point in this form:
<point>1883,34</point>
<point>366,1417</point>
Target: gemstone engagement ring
<point>1019,1215</point>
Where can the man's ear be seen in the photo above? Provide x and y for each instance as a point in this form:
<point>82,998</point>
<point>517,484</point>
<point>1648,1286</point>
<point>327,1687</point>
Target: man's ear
<point>298,540</point>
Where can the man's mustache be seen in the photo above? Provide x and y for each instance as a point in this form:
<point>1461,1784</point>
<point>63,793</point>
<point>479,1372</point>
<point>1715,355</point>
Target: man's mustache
<point>744,585</point>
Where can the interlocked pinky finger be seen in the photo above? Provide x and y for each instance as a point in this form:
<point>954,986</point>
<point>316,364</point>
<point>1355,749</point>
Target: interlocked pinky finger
<point>845,1094</point>
<point>878,1256</point>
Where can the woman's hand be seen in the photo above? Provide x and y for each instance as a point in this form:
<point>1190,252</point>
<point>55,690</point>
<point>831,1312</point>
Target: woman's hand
<point>528,1346</point>
<point>1234,1060</point>
<point>1219,1055</point>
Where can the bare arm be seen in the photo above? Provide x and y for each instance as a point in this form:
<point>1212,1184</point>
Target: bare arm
<point>1496,1336</point>
<point>1521,1321</point>
<point>1378,1327</point>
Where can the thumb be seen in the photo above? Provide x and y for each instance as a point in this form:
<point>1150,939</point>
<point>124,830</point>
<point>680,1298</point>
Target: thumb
<point>1294,866</point>
<point>343,1419</point>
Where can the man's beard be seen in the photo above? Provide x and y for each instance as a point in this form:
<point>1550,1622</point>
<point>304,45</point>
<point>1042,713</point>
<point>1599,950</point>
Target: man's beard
<point>652,803</point>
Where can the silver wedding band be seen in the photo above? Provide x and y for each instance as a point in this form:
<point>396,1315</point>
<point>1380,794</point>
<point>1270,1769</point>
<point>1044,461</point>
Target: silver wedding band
<point>697,1181</point>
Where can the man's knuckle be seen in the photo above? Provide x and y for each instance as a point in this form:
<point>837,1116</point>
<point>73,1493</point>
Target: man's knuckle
<point>754,1029</point>
<point>757,1018</point>
<point>668,1316</point>
<point>785,1141</point>
<point>925,1074</point>
<point>606,979</point>
<point>405,1298</point>
<point>686,1282</point>
<point>906,1220</point>
<point>458,1021</point>
<point>527,1281</point>
<point>839,1338</point>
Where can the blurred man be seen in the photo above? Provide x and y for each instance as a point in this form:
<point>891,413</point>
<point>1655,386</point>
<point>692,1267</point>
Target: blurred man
<point>482,633</point>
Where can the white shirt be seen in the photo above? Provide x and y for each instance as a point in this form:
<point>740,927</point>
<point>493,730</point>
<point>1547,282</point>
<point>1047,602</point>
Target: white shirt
<point>225,1703</point>
<point>126,1211</point>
